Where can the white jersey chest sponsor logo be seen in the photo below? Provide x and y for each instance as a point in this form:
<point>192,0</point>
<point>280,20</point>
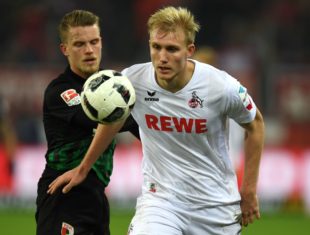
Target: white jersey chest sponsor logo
<point>176,124</point>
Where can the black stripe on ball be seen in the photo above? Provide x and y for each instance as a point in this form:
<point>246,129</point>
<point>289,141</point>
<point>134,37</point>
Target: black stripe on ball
<point>115,115</point>
<point>123,92</point>
<point>95,83</point>
<point>90,108</point>
<point>116,73</point>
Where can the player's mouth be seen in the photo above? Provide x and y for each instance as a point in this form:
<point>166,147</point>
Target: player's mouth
<point>163,70</point>
<point>90,61</point>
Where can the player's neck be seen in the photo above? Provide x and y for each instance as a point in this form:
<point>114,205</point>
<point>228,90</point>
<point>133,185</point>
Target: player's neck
<point>180,81</point>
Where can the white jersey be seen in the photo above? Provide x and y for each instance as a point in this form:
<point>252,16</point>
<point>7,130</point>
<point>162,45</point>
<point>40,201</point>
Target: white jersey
<point>185,134</point>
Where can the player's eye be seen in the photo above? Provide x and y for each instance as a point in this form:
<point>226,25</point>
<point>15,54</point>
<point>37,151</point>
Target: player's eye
<point>78,44</point>
<point>155,46</point>
<point>172,49</point>
<point>95,41</point>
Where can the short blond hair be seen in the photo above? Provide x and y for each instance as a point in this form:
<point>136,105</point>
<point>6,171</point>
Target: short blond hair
<point>170,18</point>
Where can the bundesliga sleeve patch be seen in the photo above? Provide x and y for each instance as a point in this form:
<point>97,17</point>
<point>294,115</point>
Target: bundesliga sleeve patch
<point>246,99</point>
<point>71,97</point>
<point>67,229</point>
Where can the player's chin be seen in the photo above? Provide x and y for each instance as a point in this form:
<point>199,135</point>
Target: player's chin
<point>165,77</point>
<point>90,69</point>
<point>164,74</point>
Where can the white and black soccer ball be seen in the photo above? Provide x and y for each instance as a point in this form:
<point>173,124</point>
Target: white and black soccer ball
<point>107,96</point>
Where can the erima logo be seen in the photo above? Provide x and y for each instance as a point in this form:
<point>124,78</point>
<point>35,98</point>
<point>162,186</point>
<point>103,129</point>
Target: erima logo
<point>151,93</point>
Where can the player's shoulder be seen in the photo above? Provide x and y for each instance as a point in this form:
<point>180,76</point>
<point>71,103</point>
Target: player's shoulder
<point>56,83</point>
<point>137,69</point>
<point>215,79</point>
<point>140,66</point>
<point>210,73</point>
<point>59,85</point>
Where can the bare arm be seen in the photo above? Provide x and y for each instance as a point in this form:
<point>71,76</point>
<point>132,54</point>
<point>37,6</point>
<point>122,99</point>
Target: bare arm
<point>253,146</point>
<point>103,137</point>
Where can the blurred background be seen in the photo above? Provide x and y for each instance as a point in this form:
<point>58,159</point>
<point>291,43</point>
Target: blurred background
<point>263,43</point>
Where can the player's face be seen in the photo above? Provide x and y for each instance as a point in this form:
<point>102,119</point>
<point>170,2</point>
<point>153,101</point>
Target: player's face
<point>169,52</point>
<point>83,49</point>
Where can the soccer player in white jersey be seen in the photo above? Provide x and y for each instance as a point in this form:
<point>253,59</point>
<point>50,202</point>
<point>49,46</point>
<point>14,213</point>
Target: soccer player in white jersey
<point>182,109</point>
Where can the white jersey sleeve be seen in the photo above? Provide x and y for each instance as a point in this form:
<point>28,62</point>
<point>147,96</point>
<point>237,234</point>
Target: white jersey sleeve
<point>239,104</point>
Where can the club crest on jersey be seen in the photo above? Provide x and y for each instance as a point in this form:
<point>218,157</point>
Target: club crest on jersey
<point>152,187</point>
<point>67,229</point>
<point>71,97</point>
<point>195,101</point>
<point>246,100</point>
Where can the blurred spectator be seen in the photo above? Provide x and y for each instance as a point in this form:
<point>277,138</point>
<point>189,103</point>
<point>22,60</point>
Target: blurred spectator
<point>30,44</point>
<point>292,31</point>
<point>142,9</point>
<point>207,55</point>
<point>7,149</point>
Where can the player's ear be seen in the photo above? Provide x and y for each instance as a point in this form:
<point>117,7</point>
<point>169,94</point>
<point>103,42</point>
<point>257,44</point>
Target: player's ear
<point>63,49</point>
<point>191,49</point>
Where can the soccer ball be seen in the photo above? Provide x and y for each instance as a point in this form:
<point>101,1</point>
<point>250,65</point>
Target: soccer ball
<point>107,96</point>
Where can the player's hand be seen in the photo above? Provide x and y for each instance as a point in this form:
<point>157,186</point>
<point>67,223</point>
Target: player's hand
<point>249,208</point>
<point>70,179</point>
